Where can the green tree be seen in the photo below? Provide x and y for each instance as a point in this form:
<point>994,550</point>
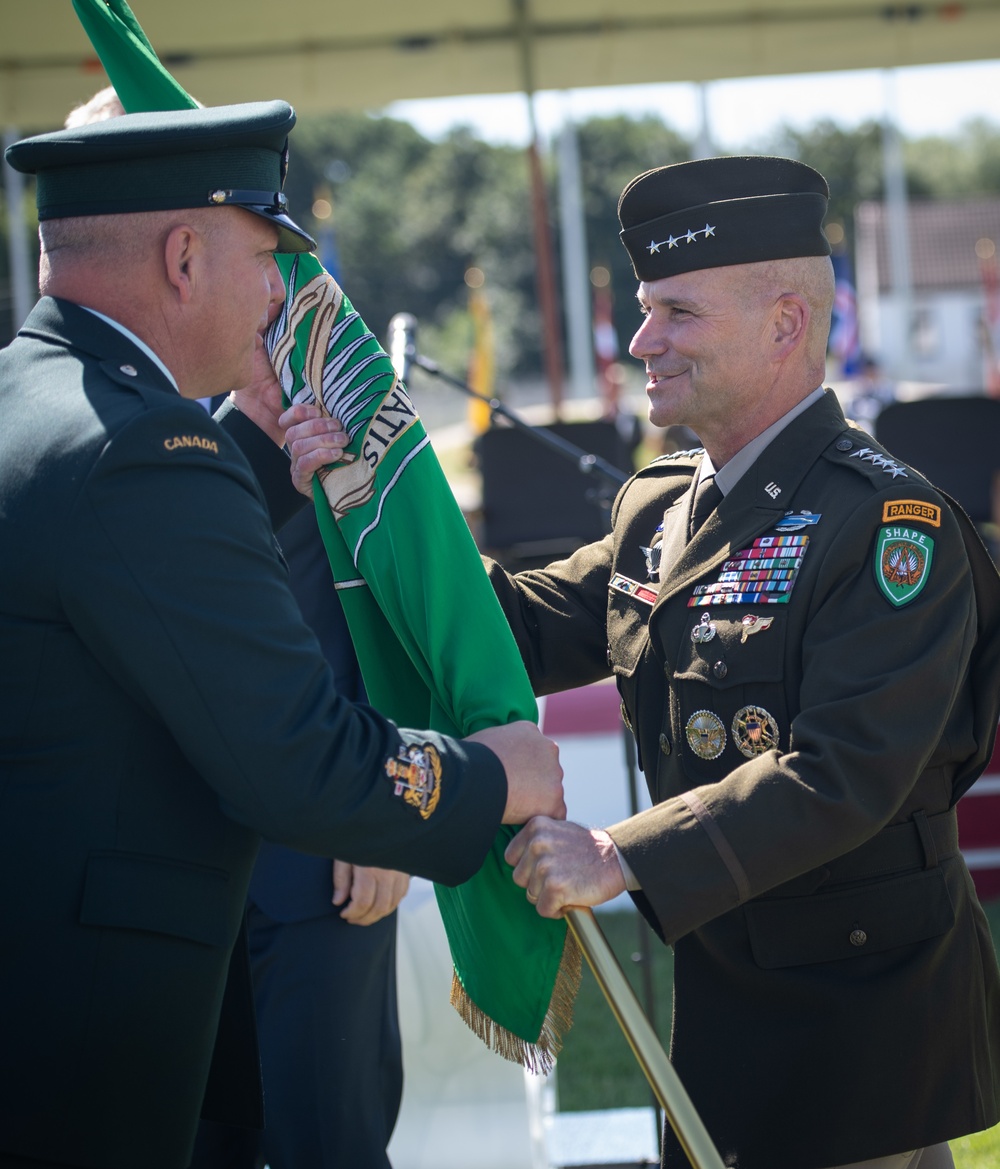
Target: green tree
<point>411,216</point>
<point>962,166</point>
<point>612,151</point>
<point>849,158</point>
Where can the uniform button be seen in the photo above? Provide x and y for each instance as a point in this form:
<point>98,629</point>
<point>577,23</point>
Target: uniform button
<point>129,370</point>
<point>845,444</point>
<point>665,746</point>
<point>720,669</point>
<point>858,937</point>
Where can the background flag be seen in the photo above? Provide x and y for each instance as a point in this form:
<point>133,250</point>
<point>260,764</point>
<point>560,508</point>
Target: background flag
<point>482,364</point>
<point>845,338</point>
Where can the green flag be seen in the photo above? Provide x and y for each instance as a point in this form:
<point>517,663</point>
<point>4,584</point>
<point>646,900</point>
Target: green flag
<point>433,644</point>
<point>131,63</point>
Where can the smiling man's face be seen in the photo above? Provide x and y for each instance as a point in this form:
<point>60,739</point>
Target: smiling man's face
<point>704,343</point>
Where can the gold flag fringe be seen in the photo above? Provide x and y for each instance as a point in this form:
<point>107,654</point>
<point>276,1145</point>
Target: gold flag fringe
<point>538,1057</point>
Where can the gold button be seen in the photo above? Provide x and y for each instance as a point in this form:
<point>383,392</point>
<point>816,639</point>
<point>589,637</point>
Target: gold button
<point>858,937</point>
<point>665,745</point>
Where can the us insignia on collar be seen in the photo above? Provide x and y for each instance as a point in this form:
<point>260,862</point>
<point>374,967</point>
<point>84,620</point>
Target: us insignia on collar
<point>416,771</point>
<point>902,563</point>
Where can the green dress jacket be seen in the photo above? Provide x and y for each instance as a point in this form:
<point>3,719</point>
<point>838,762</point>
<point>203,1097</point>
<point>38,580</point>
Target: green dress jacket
<point>162,707</point>
<point>836,992</point>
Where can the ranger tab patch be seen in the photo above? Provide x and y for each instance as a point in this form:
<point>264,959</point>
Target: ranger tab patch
<point>898,510</point>
<point>902,563</point>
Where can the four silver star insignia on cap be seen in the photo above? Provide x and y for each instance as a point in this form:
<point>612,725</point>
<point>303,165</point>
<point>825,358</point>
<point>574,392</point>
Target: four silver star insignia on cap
<point>688,237</point>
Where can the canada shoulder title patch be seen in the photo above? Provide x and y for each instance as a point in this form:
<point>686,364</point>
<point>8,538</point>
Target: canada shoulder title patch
<point>902,562</point>
<point>416,772</point>
<point>187,441</point>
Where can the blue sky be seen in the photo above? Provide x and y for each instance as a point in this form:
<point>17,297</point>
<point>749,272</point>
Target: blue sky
<point>932,99</point>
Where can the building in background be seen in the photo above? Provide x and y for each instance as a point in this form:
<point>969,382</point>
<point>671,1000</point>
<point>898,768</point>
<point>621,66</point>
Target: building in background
<point>950,337</point>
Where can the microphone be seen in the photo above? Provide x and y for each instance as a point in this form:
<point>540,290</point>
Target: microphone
<point>402,344</point>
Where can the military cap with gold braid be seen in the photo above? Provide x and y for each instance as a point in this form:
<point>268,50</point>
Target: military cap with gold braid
<point>720,211</point>
<point>214,157</point>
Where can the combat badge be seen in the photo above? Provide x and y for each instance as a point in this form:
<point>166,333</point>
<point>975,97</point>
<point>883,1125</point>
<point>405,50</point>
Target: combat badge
<point>754,731</point>
<point>795,521</point>
<point>417,774</point>
<point>706,735</point>
<point>902,563</point>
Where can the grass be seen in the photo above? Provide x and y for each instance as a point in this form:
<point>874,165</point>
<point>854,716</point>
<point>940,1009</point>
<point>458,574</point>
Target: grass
<point>597,1069</point>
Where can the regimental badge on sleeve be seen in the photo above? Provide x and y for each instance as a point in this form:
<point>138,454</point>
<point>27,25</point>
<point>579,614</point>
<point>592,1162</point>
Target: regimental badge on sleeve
<point>416,772</point>
<point>902,562</point>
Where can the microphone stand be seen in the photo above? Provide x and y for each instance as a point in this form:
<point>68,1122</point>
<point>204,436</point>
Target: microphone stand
<point>639,1029</point>
<point>611,477</point>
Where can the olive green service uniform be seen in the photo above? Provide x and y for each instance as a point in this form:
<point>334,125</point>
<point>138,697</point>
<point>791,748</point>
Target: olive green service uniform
<point>836,992</point>
<point>162,707</point>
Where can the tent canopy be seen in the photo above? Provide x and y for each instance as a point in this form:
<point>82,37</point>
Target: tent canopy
<point>325,54</point>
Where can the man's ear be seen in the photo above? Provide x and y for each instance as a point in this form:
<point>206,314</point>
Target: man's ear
<point>183,251</point>
<point>790,322</point>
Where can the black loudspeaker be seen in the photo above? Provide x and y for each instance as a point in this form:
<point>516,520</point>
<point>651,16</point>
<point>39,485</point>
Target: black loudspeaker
<point>537,505</point>
<point>953,441</point>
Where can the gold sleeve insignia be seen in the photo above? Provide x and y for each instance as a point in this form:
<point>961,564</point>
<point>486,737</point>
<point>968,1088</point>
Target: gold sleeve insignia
<point>198,441</point>
<point>416,771</point>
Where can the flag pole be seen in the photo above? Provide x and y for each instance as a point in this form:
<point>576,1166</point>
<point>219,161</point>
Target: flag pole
<point>646,1047</point>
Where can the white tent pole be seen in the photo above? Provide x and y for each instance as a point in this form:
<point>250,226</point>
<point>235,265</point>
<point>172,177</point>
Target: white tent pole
<point>703,146</point>
<point>22,286</point>
<point>897,223</point>
<point>576,284</point>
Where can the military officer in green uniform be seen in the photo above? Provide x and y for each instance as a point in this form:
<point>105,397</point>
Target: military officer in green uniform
<point>162,703</point>
<point>806,638</point>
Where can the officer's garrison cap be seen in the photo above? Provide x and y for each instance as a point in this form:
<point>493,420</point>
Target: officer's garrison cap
<point>720,211</point>
<point>173,159</point>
